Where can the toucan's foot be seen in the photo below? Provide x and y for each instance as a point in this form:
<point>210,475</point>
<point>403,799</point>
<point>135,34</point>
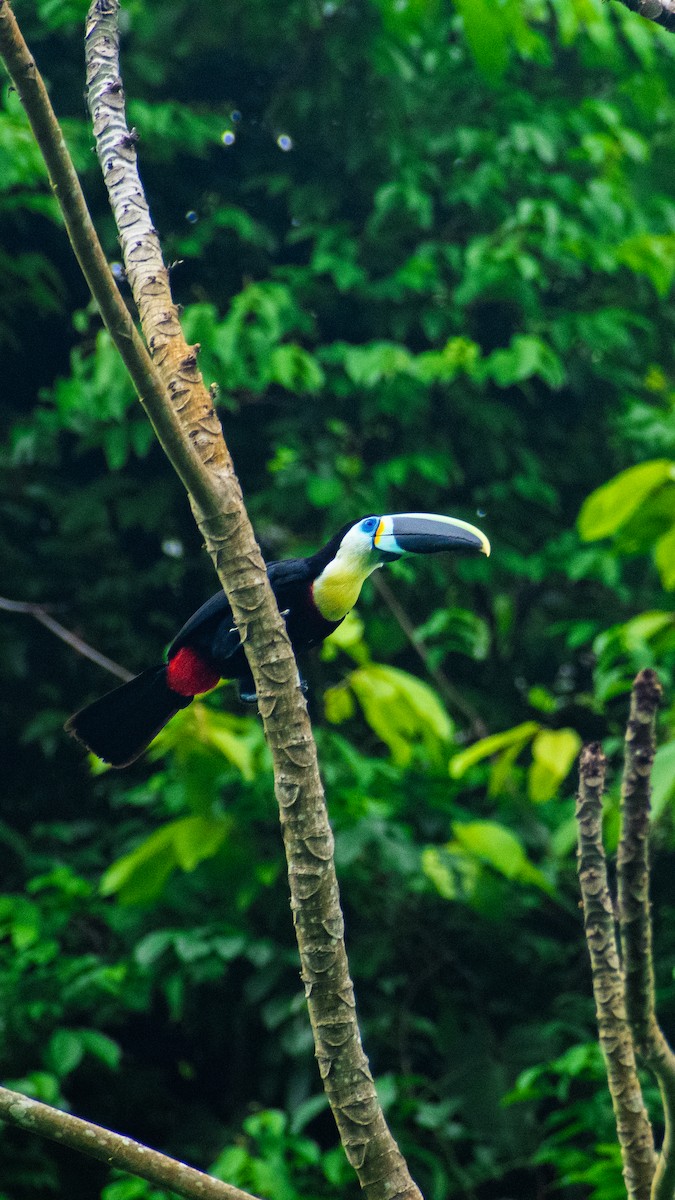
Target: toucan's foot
<point>248,695</point>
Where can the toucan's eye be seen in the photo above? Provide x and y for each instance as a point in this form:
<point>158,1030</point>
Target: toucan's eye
<point>370,524</point>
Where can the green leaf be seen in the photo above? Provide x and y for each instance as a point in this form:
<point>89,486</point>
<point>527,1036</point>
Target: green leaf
<point>664,556</point>
<point>294,369</point>
<point>348,637</point>
<point>101,1047</point>
<point>486,35</point>
<point>339,704</point>
<point>500,849</point>
<point>402,710</point>
<point>542,699</point>
<point>453,873</point>
<point>502,767</point>
<point>64,1051</point>
<point>519,736</point>
<point>492,843</point>
<point>198,838</point>
<point>650,254</point>
<point>663,779</point>
<point>200,731</point>
<point>368,365</point>
<point>152,946</point>
<point>645,626</point>
<point>553,754</point>
<point>610,506</point>
<point>140,876</point>
<point>116,446</point>
<point>232,747</point>
<point>525,357</point>
<point>324,490</point>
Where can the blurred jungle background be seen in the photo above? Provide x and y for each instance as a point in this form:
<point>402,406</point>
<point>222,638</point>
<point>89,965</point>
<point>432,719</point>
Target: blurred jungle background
<point>428,252</point>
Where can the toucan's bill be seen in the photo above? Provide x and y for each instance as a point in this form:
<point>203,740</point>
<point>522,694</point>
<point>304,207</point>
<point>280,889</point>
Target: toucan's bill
<point>427,533</point>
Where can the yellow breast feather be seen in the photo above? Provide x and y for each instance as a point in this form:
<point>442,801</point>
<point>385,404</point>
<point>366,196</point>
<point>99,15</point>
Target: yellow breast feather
<point>337,589</point>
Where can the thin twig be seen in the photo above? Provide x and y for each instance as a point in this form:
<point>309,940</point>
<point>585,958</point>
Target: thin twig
<point>114,1148</point>
<point>39,612</point>
<point>635,915</point>
<point>633,1127</point>
<point>451,694</point>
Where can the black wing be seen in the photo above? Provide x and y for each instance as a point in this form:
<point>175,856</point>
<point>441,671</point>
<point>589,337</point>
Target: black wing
<point>287,578</point>
<point>204,621</point>
<point>284,576</point>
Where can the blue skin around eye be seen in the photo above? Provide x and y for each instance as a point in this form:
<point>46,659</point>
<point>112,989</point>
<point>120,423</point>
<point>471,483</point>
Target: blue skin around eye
<point>370,525</point>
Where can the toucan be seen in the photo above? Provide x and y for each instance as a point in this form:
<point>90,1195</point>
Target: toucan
<point>314,596</point>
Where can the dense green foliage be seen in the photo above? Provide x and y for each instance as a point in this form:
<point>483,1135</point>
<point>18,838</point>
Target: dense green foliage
<point>428,254</point>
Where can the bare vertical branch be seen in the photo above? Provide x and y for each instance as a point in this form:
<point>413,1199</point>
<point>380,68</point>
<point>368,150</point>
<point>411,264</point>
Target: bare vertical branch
<point>632,857</point>
<point>182,411</point>
<point>632,1122</point>
<point>308,838</point>
<point>635,912</point>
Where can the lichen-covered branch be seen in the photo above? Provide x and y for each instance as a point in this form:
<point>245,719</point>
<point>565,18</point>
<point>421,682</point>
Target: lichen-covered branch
<point>114,1148</point>
<point>633,1127</point>
<point>190,431</point>
<point>634,912</point>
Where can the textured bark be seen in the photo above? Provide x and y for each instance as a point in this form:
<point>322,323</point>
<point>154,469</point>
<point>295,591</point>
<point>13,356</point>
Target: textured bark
<point>632,857</point>
<point>633,1127</point>
<point>182,410</point>
<point>182,413</point>
<point>114,1148</point>
<point>635,914</point>
<point>308,839</point>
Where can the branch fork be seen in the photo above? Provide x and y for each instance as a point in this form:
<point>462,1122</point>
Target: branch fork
<point>623,983</point>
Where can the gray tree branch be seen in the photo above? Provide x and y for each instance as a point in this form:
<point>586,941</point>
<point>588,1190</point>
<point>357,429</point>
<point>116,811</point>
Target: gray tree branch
<point>308,838</point>
<point>632,1123</point>
<point>182,413</point>
<point>635,913</point>
<point>121,1152</point>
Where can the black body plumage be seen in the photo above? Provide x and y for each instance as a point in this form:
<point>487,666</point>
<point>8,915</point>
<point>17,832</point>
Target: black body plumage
<point>120,725</point>
<point>314,595</point>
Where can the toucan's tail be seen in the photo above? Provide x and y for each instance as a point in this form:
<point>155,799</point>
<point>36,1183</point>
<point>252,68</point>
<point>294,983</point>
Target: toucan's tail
<point>120,725</point>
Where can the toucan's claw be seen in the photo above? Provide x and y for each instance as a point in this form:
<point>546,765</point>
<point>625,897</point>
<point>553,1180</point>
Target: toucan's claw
<point>247,697</point>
